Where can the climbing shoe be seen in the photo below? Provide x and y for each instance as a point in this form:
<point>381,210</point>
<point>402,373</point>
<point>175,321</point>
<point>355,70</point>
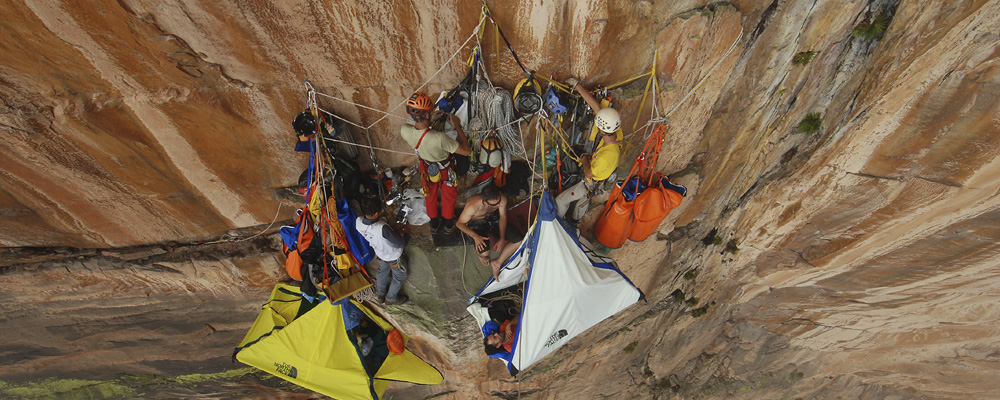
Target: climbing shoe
<point>448,226</point>
<point>572,221</point>
<point>436,224</point>
<point>400,299</point>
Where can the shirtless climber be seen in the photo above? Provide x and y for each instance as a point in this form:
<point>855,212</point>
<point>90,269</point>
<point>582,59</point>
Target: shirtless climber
<point>484,219</point>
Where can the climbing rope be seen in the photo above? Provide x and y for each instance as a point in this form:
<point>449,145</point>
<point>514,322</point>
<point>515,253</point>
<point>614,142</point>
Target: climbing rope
<point>453,55</point>
<point>229,238</point>
<point>312,93</point>
<point>497,108</point>
<point>385,113</point>
<point>710,71</point>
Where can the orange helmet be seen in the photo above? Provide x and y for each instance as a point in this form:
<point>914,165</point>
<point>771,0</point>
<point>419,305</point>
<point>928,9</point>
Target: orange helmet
<point>418,105</point>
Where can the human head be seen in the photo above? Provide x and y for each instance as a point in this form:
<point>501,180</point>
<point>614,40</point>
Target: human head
<point>607,120</point>
<point>370,206</point>
<point>419,106</point>
<point>491,194</point>
<point>489,346</point>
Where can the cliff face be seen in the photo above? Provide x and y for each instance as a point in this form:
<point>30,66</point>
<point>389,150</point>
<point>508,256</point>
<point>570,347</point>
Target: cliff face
<point>862,258</point>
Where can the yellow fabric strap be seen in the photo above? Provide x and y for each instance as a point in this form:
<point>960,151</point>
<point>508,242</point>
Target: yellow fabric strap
<point>645,92</point>
<point>566,145</point>
<point>544,174</point>
<point>483,12</point>
<point>558,85</point>
<point>629,80</point>
<point>472,56</point>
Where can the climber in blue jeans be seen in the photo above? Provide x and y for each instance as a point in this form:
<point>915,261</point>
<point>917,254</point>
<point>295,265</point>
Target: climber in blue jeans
<point>388,247</point>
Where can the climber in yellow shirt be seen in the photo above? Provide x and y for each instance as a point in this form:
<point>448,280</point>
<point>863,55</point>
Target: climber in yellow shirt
<point>597,166</point>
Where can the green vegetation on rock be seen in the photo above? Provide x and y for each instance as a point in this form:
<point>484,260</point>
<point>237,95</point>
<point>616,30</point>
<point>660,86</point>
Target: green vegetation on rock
<point>699,311</point>
<point>804,57</point>
<point>872,28</point>
<point>811,123</point>
<point>630,348</point>
<point>690,275</point>
<point>732,247</point>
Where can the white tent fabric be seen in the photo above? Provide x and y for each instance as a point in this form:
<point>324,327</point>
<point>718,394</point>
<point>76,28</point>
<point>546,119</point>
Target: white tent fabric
<point>568,288</point>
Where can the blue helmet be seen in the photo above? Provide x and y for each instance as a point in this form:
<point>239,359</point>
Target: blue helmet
<point>490,328</point>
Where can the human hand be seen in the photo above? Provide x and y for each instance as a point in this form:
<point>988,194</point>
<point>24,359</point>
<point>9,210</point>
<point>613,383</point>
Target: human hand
<point>499,246</point>
<point>480,243</point>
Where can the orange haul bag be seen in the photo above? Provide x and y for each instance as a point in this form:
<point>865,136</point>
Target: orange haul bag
<point>653,205</point>
<point>615,223</point>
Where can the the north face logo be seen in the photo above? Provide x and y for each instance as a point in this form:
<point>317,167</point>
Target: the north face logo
<point>354,316</point>
<point>286,369</point>
<point>555,337</point>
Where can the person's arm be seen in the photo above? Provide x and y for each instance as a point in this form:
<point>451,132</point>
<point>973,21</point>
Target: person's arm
<point>394,238</point>
<point>589,98</point>
<point>464,148</point>
<point>585,164</point>
<point>503,223</point>
<point>509,331</point>
<point>464,219</point>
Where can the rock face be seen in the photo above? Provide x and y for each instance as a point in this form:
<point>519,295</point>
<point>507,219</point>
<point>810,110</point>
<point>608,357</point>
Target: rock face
<point>857,259</point>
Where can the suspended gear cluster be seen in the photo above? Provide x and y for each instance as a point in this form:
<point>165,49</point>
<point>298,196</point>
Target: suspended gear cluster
<point>321,249</point>
<point>527,99</point>
<point>491,152</point>
<point>331,131</point>
<point>452,101</point>
<point>555,102</point>
<point>304,124</point>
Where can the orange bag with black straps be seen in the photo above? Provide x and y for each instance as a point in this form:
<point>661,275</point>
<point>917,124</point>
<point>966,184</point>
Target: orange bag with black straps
<point>652,207</point>
<point>636,212</point>
<point>307,246</point>
<point>615,223</point>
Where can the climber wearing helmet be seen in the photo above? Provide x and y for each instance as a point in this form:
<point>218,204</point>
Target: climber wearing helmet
<point>435,150</point>
<point>598,165</point>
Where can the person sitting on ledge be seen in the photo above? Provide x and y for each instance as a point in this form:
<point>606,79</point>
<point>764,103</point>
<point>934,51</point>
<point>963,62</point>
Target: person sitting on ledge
<point>484,219</point>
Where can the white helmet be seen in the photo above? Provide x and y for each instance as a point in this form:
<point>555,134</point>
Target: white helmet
<point>608,120</point>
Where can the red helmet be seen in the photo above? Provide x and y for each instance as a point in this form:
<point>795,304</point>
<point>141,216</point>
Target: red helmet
<point>418,105</point>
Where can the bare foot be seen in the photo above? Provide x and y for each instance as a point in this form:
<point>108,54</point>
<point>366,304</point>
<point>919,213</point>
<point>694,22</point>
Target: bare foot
<point>495,266</point>
<point>485,260</point>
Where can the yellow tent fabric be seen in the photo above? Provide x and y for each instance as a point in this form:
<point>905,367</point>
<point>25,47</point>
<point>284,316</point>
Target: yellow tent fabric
<point>315,351</point>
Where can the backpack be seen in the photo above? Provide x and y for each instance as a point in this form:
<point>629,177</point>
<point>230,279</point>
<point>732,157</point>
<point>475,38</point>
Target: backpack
<point>300,245</point>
